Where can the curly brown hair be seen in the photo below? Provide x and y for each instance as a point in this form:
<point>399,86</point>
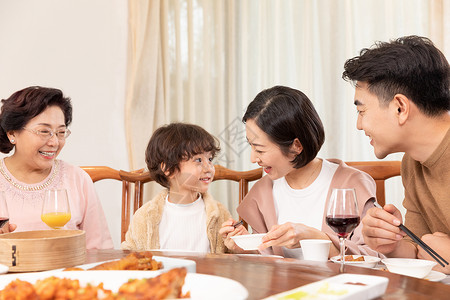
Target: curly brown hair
<point>174,143</point>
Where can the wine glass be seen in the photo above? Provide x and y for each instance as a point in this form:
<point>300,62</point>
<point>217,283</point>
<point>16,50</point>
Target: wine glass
<point>4,215</point>
<point>55,209</point>
<point>342,216</point>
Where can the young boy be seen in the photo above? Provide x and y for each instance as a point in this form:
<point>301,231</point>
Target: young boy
<point>183,216</point>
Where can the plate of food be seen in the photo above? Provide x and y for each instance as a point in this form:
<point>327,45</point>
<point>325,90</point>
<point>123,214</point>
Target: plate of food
<point>175,283</point>
<point>364,261</point>
<point>138,261</point>
<point>340,287</point>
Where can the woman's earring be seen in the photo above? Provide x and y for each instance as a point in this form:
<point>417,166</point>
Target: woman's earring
<point>12,141</point>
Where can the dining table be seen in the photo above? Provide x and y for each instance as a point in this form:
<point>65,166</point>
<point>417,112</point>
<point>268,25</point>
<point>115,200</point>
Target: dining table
<point>264,276</point>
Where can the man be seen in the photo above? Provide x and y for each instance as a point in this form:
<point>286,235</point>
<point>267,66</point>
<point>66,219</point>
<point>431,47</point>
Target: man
<point>403,101</point>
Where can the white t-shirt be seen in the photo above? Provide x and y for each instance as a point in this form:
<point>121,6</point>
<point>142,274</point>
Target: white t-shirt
<point>183,227</point>
<point>304,206</point>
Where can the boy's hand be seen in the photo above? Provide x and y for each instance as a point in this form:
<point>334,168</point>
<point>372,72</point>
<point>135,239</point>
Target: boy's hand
<point>228,230</point>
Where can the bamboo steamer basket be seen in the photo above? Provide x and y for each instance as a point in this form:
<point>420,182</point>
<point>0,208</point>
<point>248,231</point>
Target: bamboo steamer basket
<point>42,249</point>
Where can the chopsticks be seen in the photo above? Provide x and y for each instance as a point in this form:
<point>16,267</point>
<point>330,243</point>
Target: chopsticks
<point>238,223</point>
<point>421,243</point>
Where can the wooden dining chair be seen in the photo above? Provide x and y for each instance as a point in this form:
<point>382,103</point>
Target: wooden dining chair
<point>242,177</point>
<point>380,172</point>
<point>132,195</point>
<point>132,189</point>
<point>101,172</point>
<point>98,173</point>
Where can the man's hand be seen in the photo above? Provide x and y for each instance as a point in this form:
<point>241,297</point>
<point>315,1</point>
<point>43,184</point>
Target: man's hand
<point>439,242</point>
<point>380,228</point>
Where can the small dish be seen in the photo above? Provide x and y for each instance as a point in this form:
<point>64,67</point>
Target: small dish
<point>368,262</point>
<point>248,241</point>
<point>3,269</point>
<point>435,276</point>
<point>339,287</point>
<point>418,268</point>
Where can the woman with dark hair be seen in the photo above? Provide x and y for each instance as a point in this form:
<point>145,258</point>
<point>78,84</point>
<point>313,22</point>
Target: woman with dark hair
<point>285,134</point>
<point>34,122</point>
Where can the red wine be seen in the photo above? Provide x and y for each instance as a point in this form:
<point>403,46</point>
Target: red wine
<point>343,225</point>
<point>3,221</point>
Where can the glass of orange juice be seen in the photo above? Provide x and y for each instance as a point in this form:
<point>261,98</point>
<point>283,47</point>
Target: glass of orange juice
<point>56,209</point>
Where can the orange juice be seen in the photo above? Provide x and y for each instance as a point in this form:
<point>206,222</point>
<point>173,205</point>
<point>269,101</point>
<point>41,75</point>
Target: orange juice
<point>56,219</point>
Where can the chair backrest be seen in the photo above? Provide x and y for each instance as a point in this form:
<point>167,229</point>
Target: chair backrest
<point>132,199</point>
<point>243,177</point>
<point>98,173</point>
<point>380,171</point>
<point>101,172</point>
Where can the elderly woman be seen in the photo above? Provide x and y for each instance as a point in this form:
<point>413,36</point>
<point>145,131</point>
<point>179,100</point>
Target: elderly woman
<point>34,123</point>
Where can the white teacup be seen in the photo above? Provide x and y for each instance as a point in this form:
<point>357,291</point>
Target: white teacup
<point>317,250</point>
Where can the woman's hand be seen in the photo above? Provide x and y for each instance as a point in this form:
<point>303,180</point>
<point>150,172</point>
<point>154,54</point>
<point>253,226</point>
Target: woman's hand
<point>289,235</point>
<point>8,228</point>
<point>227,231</point>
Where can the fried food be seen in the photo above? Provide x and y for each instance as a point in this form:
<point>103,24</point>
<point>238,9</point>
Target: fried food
<point>18,289</point>
<point>63,288</point>
<point>142,261</point>
<point>165,286</point>
<point>53,288</point>
<point>352,258</point>
<point>73,269</point>
<point>134,261</point>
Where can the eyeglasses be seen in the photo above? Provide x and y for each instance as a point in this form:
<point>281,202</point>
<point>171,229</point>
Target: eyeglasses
<point>47,134</point>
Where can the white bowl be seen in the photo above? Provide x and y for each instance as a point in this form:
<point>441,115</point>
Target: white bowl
<point>3,269</point>
<point>408,266</point>
<point>248,241</point>
<point>368,262</point>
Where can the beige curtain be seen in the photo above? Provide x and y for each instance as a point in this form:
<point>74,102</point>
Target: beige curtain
<point>203,61</point>
<point>145,103</point>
